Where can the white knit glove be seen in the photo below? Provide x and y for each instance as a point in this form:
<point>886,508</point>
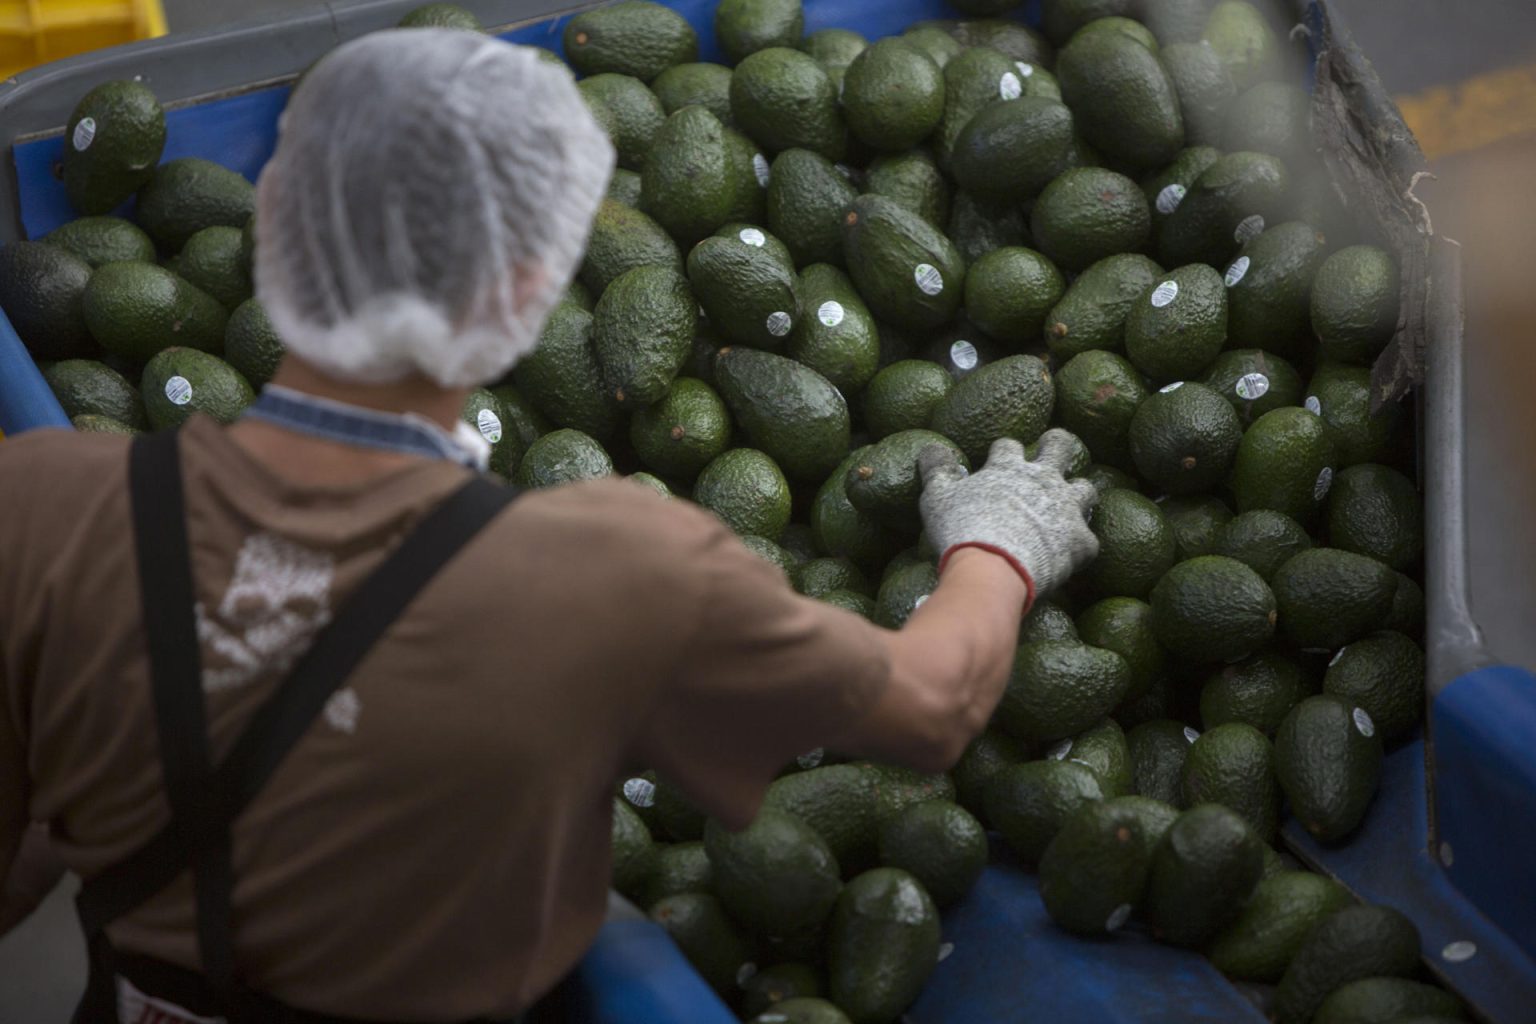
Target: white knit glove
<point>1027,512</point>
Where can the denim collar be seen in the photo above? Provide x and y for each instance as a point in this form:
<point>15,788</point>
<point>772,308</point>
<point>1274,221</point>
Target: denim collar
<point>406,433</point>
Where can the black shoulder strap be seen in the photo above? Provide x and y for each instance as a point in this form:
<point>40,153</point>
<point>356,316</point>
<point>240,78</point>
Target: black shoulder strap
<point>203,801</point>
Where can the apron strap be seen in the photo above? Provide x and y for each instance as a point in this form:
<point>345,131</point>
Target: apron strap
<point>205,801</point>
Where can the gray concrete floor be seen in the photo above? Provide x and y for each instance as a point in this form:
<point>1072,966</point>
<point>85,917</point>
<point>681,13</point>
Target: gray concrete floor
<point>1482,199</point>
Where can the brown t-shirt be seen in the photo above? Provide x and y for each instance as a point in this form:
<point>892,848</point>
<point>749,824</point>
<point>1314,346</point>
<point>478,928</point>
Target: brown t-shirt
<point>437,846</point>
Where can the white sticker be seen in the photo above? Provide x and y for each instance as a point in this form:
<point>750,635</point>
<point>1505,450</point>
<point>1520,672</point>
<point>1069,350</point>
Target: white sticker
<point>490,425</point>
<point>1335,659</point>
<point>963,354</point>
<point>844,170</point>
<point>640,792</point>
<point>1169,199</point>
<point>1324,482</point>
<point>1364,724</point>
<point>779,324</point>
<point>745,972</point>
<point>1121,915</point>
<point>921,600</point>
<point>1251,386</point>
<point>1459,952</point>
<point>85,134</point>
<point>929,280</point>
<point>179,390</point>
<point>1237,271</point>
<point>1249,228</point>
<point>1313,406</point>
<point>1009,87</point>
<point>831,313</point>
<point>753,237</point>
<point>1447,855</point>
<point>1170,387</point>
<point>811,759</point>
<point>1164,294</point>
<point>1059,751</point>
<point>760,166</point>
<point>1024,69</point>
<point>1191,734</point>
<point>945,950</point>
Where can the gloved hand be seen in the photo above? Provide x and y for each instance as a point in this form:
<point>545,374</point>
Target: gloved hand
<point>1027,512</point>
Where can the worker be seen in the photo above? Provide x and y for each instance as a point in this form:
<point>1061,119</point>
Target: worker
<point>328,723</point>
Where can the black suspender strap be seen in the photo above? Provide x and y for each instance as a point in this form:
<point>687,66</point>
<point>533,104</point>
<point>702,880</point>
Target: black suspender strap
<point>204,800</point>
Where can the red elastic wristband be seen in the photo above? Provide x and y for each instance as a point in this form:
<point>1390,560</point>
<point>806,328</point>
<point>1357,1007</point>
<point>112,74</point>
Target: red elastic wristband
<point>1018,567</point>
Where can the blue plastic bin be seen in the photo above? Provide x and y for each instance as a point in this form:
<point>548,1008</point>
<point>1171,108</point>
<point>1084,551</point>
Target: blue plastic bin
<point>1451,840</point>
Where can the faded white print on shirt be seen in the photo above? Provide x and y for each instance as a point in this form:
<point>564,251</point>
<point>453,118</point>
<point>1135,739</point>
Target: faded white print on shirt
<point>279,598</point>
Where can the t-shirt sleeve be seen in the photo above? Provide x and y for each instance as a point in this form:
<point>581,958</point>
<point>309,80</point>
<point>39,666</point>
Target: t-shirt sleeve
<point>766,675</point>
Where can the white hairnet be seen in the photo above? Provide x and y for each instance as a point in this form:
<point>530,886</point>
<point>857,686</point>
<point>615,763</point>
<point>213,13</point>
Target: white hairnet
<point>429,200</point>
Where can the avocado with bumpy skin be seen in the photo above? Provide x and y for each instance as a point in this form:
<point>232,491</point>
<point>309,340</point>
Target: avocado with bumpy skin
<point>1203,872</point>
<point>893,96</point>
<point>563,378</point>
<point>1122,98</point>
<point>807,198</point>
<point>1357,942</point>
<point>788,410</point>
<point>784,100</point>
<point>1060,688</point>
<point>1184,440</point>
<point>1029,803</point>
<point>1328,760</point>
<point>836,335</point>
<point>1086,214</point>
<point>777,876</point>
<point>1179,325</point>
<point>1212,608</point>
<point>1328,597</point>
<point>1012,397</point>
<point>1009,151</point>
<point>886,483</point>
<point>184,196</point>
<point>882,945</point>
<point>914,180</point>
<point>747,285</point>
<point>689,182</point>
<point>622,239</point>
<point>1269,285</point>
<point>1227,205</point>
<point>1097,396</point>
<point>1234,765</point>
<point>642,330</point>
<point>1355,304</point>
<point>1092,313</point>
<point>115,136</point>
<point>1285,462</point>
<point>907,270</point>
<point>137,309</point>
<point>42,290</point>
<point>631,38</point>
<point>637,114</point>
<point>744,27</point>
<point>1136,544</point>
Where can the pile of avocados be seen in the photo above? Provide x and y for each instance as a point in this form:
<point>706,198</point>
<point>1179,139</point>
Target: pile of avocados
<point>820,259</point>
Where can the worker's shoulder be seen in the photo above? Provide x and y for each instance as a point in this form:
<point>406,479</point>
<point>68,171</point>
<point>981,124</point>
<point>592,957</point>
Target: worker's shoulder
<point>52,463</point>
<point>614,515</point>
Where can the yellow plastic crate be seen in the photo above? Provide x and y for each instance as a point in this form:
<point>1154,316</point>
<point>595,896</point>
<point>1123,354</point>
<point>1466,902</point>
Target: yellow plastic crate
<point>35,32</point>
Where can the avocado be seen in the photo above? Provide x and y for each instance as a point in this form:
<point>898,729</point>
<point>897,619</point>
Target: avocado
<point>1328,759</point>
<point>1097,396</point>
<point>977,77</point>
<point>1030,802</point>
<point>1127,27</point>
<point>1106,478</point>
<point>904,396</point>
<point>622,239</point>
<point>441,16</point>
<point>1061,19</point>
<point>178,382</point>
<point>1047,620</point>
<point>1259,691</point>
<point>85,387</point>
<point>977,227</point>
<point>1205,90</point>
<point>906,269</point>
<point>1060,688</point>
<point>807,198</point>
<point>99,240</point>
<point>1136,545</point>
<point>1357,942</point>
<point>903,592</point>
<point>834,48</point>
<point>886,484</point>
<point>836,336</point>
<point>482,410</point>
<point>1203,872</point>
<point>642,330</point>
<point>1176,328</point>
<point>1184,439</point>
<point>747,285</point>
<point>1122,98</point>
<point>882,945</point>
<point>1285,462</point>
<point>1274,118</point>
<point>1354,304</point>
<point>1387,1000</point>
<point>1227,206</point>
<point>1165,190</point>
<point>184,196</point>
<point>841,529</point>
<point>914,180</point>
<point>1234,765</point>
<point>1254,381</point>
<point>652,483</point>
<point>1196,520</point>
<point>1407,616</point>
<point>1124,625</point>
<point>90,423</point>
<point>744,27</point>
<point>783,99</point>
<point>694,84</point>
<point>562,457</point>
<point>1012,397</point>
<point>1268,288</point>
<point>251,344</point>
<point>820,576</point>
<point>935,41</point>
<point>1177,21</point>
<point>563,378</point>
<point>1158,749</point>
<point>1088,213</point>
<point>1011,150</point>
<point>42,290</point>
<point>837,802</point>
<point>984,759</point>
<point>1342,396</point>
<point>751,171</point>
<point>1376,511</point>
<point>1282,912</point>
<point>940,844</point>
<point>746,489</point>
<point>1328,598</point>
<point>1009,292</point>
<point>637,114</point>
<point>1384,674</point>
<point>679,435</point>
<point>776,984</point>
<point>1013,39</point>
<point>1211,608</point>
<point>713,944</point>
<point>214,261</point>
<point>1095,870</point>
<point>893,96</point>
<point>1240,36</point>
<point>633,849</point>
<point>777,876</point>
<point>136,309</point>
<point>1092,313</point>
<point>788,410</point>
<point>629,38</point>
<point>1073,456</point>
<point>1156,703</point>
<point>770,552</point>
<point>1102,749</point>
<point>689,183</point>
<point>113,141</point>
<point>802,1010</point>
